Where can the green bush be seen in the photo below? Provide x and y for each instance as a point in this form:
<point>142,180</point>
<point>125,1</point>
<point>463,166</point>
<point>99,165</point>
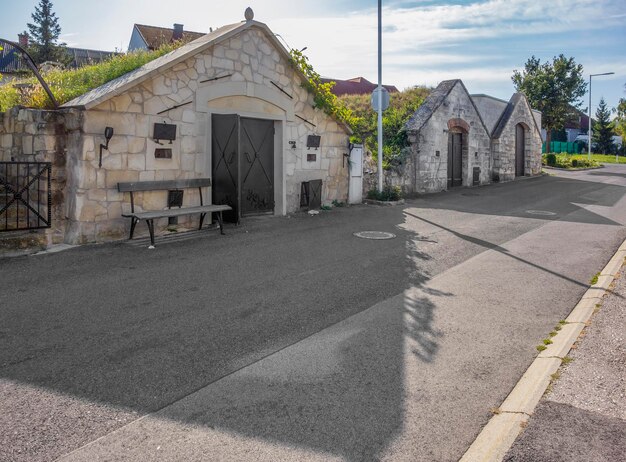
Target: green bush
<point>574,163</point>
<point>551,160</point>
<point>69,83</point>
<point>388,194</point>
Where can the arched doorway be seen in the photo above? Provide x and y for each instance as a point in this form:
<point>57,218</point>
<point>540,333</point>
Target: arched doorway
<point>458,130</point>
<point>520,150</point>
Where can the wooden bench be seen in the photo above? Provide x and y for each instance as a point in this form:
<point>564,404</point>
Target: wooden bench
<point>169,185</point>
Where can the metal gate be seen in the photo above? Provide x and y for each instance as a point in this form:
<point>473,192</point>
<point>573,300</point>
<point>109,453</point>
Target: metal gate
<point>25,195</point>
<point>243,165</point>
<point>455,159</point>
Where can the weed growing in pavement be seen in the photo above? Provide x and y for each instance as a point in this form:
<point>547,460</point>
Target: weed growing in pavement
<point>326,207</point>
<point>566,360</point>
<point>558,327</point>
<point>547,341</point>
<point>495,410</point>
<point>553,333</point>
<point>594,279</point>
<point>563,322</point>
<point>541,347</point>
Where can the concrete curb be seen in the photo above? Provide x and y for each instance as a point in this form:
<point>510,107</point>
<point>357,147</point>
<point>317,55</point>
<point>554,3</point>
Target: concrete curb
<point>497,437</point>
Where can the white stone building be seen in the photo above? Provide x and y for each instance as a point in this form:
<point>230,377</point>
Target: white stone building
<point>462,140</point>
<point>228,105</point>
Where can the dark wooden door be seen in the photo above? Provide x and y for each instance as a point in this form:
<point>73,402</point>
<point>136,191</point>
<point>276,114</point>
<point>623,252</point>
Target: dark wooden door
<point>455,159</point>
<point>257,166</point>
<point>225,164</point>
<point>520,148</point>
<point>243,165</point>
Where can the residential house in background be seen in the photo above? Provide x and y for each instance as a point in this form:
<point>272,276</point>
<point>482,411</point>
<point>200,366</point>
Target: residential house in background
<point>152,37</point>
<point>355,86</point>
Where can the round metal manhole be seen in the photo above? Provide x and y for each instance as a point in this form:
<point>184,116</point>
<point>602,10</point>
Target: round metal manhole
<point>378,235</point>
<point>545,213</point>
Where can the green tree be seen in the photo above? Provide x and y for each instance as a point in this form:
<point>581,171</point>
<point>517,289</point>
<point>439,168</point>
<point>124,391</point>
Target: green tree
<point>554,88</point>
<point>603,129</point>
<point>44,33</point>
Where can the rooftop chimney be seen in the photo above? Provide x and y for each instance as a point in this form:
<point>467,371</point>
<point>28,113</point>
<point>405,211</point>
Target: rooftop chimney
<point>178,32</point>
<point>23,39</point>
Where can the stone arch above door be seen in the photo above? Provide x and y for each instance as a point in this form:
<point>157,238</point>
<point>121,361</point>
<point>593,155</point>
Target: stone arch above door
<point>246,96</point>
<point>458,125</point>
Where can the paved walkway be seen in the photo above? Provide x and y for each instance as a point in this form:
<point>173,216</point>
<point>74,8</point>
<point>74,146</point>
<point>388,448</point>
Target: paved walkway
<point>583,415</point>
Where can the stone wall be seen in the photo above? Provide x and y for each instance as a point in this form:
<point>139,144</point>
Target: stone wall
<point>28,135</point>
<point>504,146</point>
<point>429,145</point>
<point>237,76</point>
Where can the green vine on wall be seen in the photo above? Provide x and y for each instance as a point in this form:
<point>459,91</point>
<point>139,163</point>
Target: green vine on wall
<point>323,98</point>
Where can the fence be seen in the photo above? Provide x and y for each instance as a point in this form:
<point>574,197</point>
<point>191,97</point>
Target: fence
<point>25,195</point>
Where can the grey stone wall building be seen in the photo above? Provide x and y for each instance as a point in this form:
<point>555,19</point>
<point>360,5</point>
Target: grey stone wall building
<point>458,139</point>
<point>235,110</point>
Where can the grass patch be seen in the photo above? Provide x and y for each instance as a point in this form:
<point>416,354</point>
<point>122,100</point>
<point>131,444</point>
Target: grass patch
<point>547,341</point>
<point>70,83</point>
<point>567,360</point>
<point>541,347</point>
<point>601,158</point>
<point>594,279</point>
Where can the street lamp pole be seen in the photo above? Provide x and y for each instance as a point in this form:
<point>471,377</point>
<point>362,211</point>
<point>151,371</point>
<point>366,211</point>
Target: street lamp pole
<point>380,98</point>
<point>589,132</point>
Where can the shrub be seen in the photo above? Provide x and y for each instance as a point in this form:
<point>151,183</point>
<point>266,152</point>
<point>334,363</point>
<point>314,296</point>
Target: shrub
<point>551,160</point>
<point>574,163</point>
<point>388,194</point>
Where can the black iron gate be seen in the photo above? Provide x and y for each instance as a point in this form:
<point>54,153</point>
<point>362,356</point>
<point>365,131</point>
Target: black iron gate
<point>25,195</point>
<point>243,165</point>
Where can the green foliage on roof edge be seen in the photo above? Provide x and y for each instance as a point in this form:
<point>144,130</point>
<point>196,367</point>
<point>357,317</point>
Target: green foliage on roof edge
<point>67,84</point>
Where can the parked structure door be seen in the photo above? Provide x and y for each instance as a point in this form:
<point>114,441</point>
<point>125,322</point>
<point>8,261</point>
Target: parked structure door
<point>243,165</point>
<point>520,148</point>
<point>455,159</point>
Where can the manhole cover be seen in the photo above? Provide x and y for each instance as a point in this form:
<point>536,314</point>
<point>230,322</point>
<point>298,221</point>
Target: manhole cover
<point>374,235</point>
<point>541,212</point>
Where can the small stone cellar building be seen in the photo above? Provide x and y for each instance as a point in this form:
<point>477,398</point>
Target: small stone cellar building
<point>458,139</point>
<point>228,105</point>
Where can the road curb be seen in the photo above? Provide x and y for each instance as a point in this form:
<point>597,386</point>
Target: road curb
<point>497,437</point>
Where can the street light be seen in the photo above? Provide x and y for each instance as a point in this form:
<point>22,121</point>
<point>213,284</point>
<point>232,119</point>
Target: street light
<point>589,132</point>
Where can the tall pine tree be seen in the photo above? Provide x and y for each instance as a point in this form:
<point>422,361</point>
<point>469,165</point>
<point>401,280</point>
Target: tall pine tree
<point>603,129</point>
<point>44,33</point>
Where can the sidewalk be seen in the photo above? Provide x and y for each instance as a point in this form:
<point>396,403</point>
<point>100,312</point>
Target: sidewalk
<point>582,416</point>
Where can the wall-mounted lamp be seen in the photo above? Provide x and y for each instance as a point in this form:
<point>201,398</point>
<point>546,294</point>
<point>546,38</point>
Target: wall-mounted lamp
<point>108,134</point>
<point>292,144</point>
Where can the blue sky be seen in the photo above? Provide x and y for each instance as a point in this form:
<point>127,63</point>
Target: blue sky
<point>479,41</point>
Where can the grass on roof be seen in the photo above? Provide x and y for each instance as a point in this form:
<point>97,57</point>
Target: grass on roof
<point>68,84</point>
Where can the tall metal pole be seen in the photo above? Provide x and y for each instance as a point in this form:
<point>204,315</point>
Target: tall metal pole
<point>589,132</point>
<point>593,75</point>
<point>380,97</point>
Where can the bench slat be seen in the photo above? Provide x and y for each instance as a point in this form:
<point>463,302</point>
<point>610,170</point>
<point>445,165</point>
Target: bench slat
<point>152,214</point>
<point>163,184</point>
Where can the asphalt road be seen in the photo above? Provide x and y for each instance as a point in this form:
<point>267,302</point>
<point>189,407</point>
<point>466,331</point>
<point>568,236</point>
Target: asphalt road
<point>289,338</point>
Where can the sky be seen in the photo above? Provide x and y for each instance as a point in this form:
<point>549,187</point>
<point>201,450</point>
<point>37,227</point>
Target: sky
<point>424,42</point>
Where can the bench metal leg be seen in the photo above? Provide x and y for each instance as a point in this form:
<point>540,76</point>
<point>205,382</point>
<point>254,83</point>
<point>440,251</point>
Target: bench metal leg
<point>219,220</point>
<point>202,215</point>
<point>150,224</point>
<point>133,223</point>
